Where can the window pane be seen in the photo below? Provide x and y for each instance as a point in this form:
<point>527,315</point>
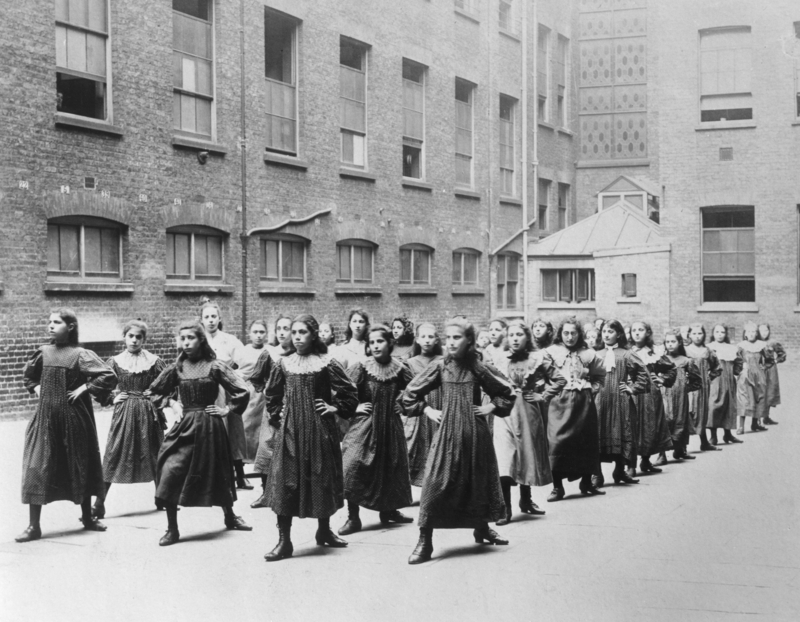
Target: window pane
<point>91,251</point>
<point>182,250</point>
<point>583,285</point>
<point>271,259</point>
<point>362,263</point>
<point>70,249</point>
<point>78,12</point>
<point>747,241</point>
<point>278,47</point>
<point>200,255</point>
<point>292,268</point>
<point>97,15</point>
<point>728,240</point>
<point>501,269</point>
<point>351,54</point>
<point>712,263</point>
<point>511,296</point>
<point>53,253</point>
<point>729,290</point>
<point>191,36</point>
<point>411,162</point>
<point>746,264</point>
<point>214,245</point>
<point>195,8</point>
<point>457,267</point>
<point>76,49</point>
<point>513,268</point>
<point>344,262</point>
<point>711,241</point>
<point>405,266</point>
<point>203,116</point>
<point>109,239</point>
<point>470,269</point>
<point>188,113</point>
<point>549,285</point>
<point>565,285</point>
<point>170,253</point>
<point>421,261</point>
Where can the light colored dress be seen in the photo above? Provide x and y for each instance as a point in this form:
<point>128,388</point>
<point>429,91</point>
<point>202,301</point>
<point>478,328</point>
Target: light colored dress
<point>246,359</point>
<point>226,347</point>
<point>722,394</point>
<point>708,364</point>
<point>751,387</point>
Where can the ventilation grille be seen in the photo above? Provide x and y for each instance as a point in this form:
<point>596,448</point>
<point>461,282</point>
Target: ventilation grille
<point>725,154</point>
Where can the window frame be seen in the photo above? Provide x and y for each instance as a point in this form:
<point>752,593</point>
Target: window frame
<point>572,276</point>
<point>502,294</point>
<point>745,95</point>
<point>507,21</point>
<point>463,252</point>
<point>351,243</point>
<point>413,249</point>
<point>281,238</point>
<point>457,154</point>
<point>562,204</point>
<point>544,189</point>
<point>723,277</point>
<point>511,129</point>
<point>364,48</point>
<point>412,142</point>
<point>272,83</point>
<point>543,73</point>
<point>82,222</point>
<point>192,231</point>
<point>630,286</point>
<point>562,79</point>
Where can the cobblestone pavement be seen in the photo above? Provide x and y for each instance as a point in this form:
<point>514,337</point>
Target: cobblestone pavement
<point>714,539</point>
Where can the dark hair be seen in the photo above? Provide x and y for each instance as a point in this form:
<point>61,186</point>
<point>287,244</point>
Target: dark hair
<point>135,324</point>
<point>206,351</point>
<point>748,325</point>
<point>472,355</point>
<point>648,334</point>
<point>317,347</point>
<point>332,339</point>
<point>254,322</point>
<point>208,304</point>
<point>407,338</point>
<point>386,332</point>
<point>500,321</point>
<point>701,327</point>
<point>280,317</point>
<point>558,339</point>
<point>727,338</point>
<point>622,338</point>
<point>348,332</point>
<point>69,317</point>
<point>769,328</point>
<point>676,332</point>
<point>437,346</point>
<point>523,354</point>
<point>547,339</point>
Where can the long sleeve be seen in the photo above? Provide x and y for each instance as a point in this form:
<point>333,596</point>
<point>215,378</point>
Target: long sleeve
<point>597,374</point>
<point>274,392</point>
<point>500,390</point>
<point>238,393</point>
<point>357,376</point>
<point>32,373</point>
<point>343,391</point>
<point>636,372</point>
<point>161,401</point>
<point>714,368</point>
<point>555,381</point>
<point>780,353</point>
<point>101,379</point>
<point>738,362</point>
<point>166,384</point>
<point>412,399</point>
<point>693,378</point>
<point>666,370</point>
<point>261,371</point>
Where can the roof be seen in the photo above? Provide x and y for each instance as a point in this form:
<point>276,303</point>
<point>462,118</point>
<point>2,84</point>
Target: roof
<point>614,228</point>
<point>628,183</point>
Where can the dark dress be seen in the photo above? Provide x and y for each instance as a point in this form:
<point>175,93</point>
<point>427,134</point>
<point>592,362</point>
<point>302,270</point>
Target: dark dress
<point>708,364</point>
<point>777,354</point>
<point>616,411</point>
<point>652,430</point>
<point>61,460</point>
<point>722,393</point>
<point>461,488</point>
<point>374,454</point>
<point>137,426</point>
<point>572,430</point>
<point>676,400</point>
<point>420,430</point>
<point>306,478</point>
<point>751,387</point>
<point>195,465</point>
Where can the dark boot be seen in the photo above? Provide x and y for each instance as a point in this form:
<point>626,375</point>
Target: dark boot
<point>261,502</point>
<point>587,488</point>
<point>394,516</point>
<point>241,480</point>
<point>490,536</point>
<point>325,536</point>
<point>353,523</point>
<point>505,484</point>
<point>730,438</point>
<point>172,535</point>
<point>526,504</point>
<point>284,548</point>
<point>713,437</point>
<point>234,522</point>
<point>89,522</point>
<point>620,476</point>
<point>424,549</point>
<point>99,509</point>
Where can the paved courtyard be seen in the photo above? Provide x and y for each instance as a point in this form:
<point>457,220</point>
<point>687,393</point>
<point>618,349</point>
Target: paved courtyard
<point>714,539</point>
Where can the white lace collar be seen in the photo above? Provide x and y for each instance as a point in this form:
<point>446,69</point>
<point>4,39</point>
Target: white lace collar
<point>724,351</point>
<point>382,372</point>
<point>308,364</point>
<point>135,363</point>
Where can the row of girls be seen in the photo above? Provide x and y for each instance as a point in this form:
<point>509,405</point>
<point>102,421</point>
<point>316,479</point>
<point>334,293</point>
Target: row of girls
<point>362,421</point>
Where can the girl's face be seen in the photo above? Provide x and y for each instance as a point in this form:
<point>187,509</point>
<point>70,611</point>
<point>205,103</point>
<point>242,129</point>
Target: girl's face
<point>697,336</point>
<point>258,333</point>
<point>496,333</point>
<point>484,339</point>
<point>638,333</point>
<point>610,336</point>
<point>397,330</point>
<point>58,329</point>
<point>751,334</point>
<point>325,332</point>
<point>134,339</point>
<point>671,344</point>
<point>592,336</point>
<point>211,319</point>
<point>379,347</point>
<point>719,334</point>
<point>189,342</point>
<point>357,326</point>
<point>426,338</point>
<point>302,338</point>
<point>517,339</point>
<point>569,335</point>
<point>539,329</point>
<point>283,331</point>
<point>763,332</point>
<point>456,342</point>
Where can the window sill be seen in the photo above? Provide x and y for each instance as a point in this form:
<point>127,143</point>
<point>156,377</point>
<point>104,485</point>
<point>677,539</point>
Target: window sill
<point>467,194</point>
<point>509,313</point>
<point>354,173</point>
<point>710,126</point>
<point>796,124</point>
<point>357,290</point>
<point>629,300</point>
<point>728,307</point>
<point>197,144</point>
<point>568,306</point>
<point>417,290</point>
<point>467,15</point>
<point>612,163</point>
<point>63,119</point>
<point>547,125</point>
<point>511,201</point>
<point>416,184</point>
<point>198,287</point>
<point>565,131</point>
<point>88,286</point>
<point>467,291</point>
<point>509,34</point>
<point>285,160</point>
<point>285,290</point>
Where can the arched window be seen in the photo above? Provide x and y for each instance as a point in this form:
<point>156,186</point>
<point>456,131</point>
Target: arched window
<point>84,247</point>
<point>356,261</point>
<point>465,266</point>
<point>283,258</point>
<point>195,253</point>
<point>415,264</point>
<point>508,280</point>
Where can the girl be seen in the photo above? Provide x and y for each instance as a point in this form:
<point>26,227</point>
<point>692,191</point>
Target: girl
<point>520,440</point>
<point>542,333</point>
<point>461,488</point>
<point>572,415</point>
<point>305,390</point>
<point>778,355</point>
<point>61,461</point>
<point>652,430</point>
<point>483,340</point>
<point>722,393</point>
<point>282,344</point>
<point>708,364</point>
<point>420,430</point>
<point>751,387</point>
<point>354,348</point>
<point>626,376</point>
<point>497,335</point>
<point>676,397</point>
<point>226,348</point>
<point>137,426</point>
<point>194,464</point>
<point>327,334</point>
<point>403,335</point>
<point>246,360</point>
<point>594,338</point>
<point>374,452</point>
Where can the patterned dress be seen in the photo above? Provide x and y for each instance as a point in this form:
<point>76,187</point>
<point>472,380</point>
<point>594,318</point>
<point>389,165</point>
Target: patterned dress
<point>374,454</point>
<point>195,466</point>
<point>421,430</point>
<point>246,360</point>
<point>708,364</point>
<point>652,430</point>
<point>227,348</point>
<point>616,411</point>
<point>572,430</point>
<point>676,399</point>
<point>348,354</point>
<point>775,352</point>
<point>461,488</point>
<point>722,393</point>
<point>61,460</point>
<point>751,387</point>
<point>402,353</point>
<point>137,426</point>
<point>520,440</point>
<point>306,478</point>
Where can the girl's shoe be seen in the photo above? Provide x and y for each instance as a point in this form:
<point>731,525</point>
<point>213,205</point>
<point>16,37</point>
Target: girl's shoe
<point>507,518</point>
<point>489,536</point>
<point>557,494</point>
<point>30,534</point>
<point>169,538</point>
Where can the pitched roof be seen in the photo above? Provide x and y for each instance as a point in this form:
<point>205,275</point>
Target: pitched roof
<point>629,183</point>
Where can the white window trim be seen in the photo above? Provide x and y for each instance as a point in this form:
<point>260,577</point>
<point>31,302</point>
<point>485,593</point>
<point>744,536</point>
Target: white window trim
<point>501,304</point>
<point>734,277</point>
<point>592,285</point>
<point>472,135</point>
<point>57,275</point>
<point>422,167</point>
<point>412,248</point>
<point>295,84</point>
<point>514,173</point>
<point>192,276</point>
<point>280,240</point>
<point>350,244</point>
<point>477,254</point>
<point>365,167</point>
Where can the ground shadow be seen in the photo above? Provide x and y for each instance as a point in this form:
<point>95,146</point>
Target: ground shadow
<point>463,551</point>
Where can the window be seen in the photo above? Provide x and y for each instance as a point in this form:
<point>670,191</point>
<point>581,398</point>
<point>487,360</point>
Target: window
<point>356,260</point>
<point>465,5</point>
<point>562,62</point>
<point>506,18</point>
<point>283,259</point>
<point>563,203</point>
<point>544,201</point>
<point>463,152</point>
<point>542,69</point>
<point>413,119</point>
<point>82,58</point>
<point>797,69</point>
<point>84,248</point>
<point>568,285</point>
<point>353,101</point>
<point>726,65</point>
<point>280,45</point>
<point>729,254</point>
<point>507,157</point>
<point>465,267</point>
<point>629,285</point>
<point>415,264</point>
<point>507,280</point>
<point>192,66</point>
<point>195,253</point>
